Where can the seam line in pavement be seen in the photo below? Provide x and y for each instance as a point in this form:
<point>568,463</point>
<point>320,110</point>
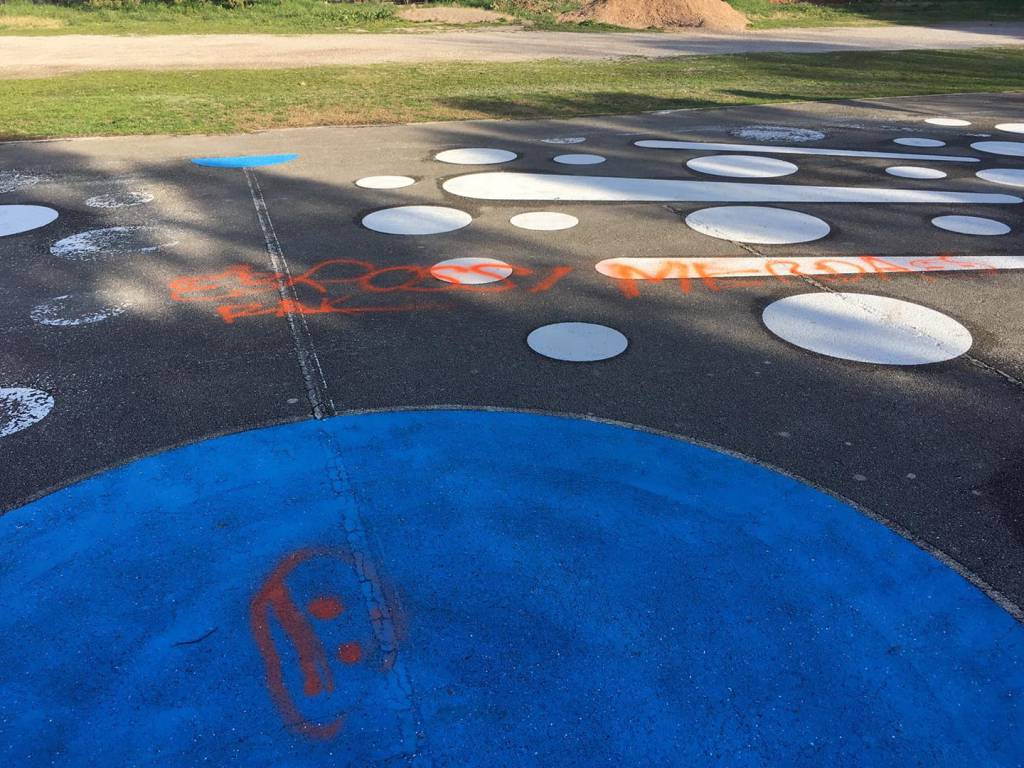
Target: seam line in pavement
<point>302,340</point>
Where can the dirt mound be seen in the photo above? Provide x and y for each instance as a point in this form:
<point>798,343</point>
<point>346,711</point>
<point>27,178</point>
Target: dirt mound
<point>713,15</point>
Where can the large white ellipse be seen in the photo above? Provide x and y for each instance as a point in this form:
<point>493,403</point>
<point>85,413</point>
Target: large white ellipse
<point>580,159</point>
<point>577,342</point>
<point>777,133</point>
<point>544,221</point>
<point>125,199</point>
<point>21,407</point>
<point>912,142</point>
<point>1011,127</point>
<point>915,172</point>
<point>15,219</point>
<point>757,224</point>
<point>1010,177</point>
<point>385,182</point>
<point>867,328</point>
<point>99,244</point>
<point>471,270</point>
<point>1006,148</point>
<point>971,225</point>
<point>417,220</point>
<point>77,309</point>
<point>475,156</point>
<point>948,122</point>
<point>742,166</point>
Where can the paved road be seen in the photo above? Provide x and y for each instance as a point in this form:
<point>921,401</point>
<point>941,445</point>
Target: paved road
<point>334,510</point>
<point>41,56</point>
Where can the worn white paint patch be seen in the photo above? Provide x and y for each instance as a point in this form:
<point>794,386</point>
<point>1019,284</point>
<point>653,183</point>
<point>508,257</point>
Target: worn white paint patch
<point>126,199</point>
<point>417,220</point>
<point>705,146</point>
<point>742,166</point>
<point>726,267</point>
<point>867,329</point>
<point>77,309</point>
<point>577,342</point>
<point>112,242</point>
<point>971,225</point>
<point>915,172</point>
<point>948,122</point>
<point>21,407</point>
<point>778,133</point>
<point>385,182</point>
<point>914,142</point>
<point>566,140</point>
<point>584,189</point>
<point>13,180</point>
<point>15,219</point>
<point>754,224</point>
<point>476,156</point>
<point>1010,177</point>
<point>1011,127</point>
<point>471,270</point>
<point>579,159</point>
<point>1007,148</point>
<point>544,221</point>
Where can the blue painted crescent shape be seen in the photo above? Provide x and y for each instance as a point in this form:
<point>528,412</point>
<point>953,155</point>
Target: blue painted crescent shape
<point>243,161</point>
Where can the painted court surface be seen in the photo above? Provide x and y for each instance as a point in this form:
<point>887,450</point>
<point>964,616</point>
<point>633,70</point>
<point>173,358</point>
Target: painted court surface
<point>692,438</point>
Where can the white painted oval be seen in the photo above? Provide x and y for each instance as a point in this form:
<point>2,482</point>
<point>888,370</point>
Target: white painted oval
<point>566,140</point>
<point>120,200</point>
<point>915,172</point>
<point>21,407</point>
<point>385,182</point>
<point>417,220</point>
<point>580,159</point>
<point>778,133</point>
<point>77,309</point>
<point>475,156</point>
<point>471,270</point>
<point>948,122</point>
<point>577,342</point>
<point>1011,127</point>
<point>1006,148</point>
<point>912,142</point>
<point>15,219</point>
<point>100,244</point>
<point>544,221</point>
<point>11,180</point>
<point>867,328</point>
<point>757,224</point>
<point>971,225</point>
<point>742,166</point>
<point>1010,177</point>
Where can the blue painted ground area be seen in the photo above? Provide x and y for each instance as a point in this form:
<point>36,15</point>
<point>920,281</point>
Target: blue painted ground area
<point>459,588</point>
<point>243,161</point>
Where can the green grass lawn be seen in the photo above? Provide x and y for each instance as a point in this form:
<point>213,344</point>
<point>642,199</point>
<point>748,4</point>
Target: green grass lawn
<point>117,103</point>
<point>23,17</point>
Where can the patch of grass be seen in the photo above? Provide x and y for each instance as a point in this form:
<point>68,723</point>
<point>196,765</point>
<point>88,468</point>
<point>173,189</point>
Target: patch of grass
<point>219,101</point>
<point>765,14</point>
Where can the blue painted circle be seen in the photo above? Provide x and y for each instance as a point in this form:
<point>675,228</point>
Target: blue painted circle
<point>243,161</point>
<point>485,589</point>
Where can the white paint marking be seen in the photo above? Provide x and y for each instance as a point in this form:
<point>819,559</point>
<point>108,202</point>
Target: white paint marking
<point>754,224</point>
<point>1010,177</point>
<point>112,242</point>
<point>385,182</point>
<point>948,122</point>
<point>1011,127</point>
<point>711,147</point>
<point>915,172</point>
<point>566,140</point>
<point>577,342</point>
<point>580,159</point>
<point>12,180</point>
<point>912,142</point>
<point>120,200</point>
<point>476,156</point>
<point>15,219</point>
<point>742,166</point>
<point>867,329</point>
<point>546,187</point>
<point>417,220</point>
<point>77,309</point>
<point>544,221</point>
<point>971,225</point>
<point>1006,148</point>
<point>21,407</point>
<point>778,133</point>
<point>471,271</point>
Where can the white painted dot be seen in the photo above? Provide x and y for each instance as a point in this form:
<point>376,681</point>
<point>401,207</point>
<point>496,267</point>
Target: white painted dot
<point>544,221</point>
<point>417,220</point>
<point>971,225</point>
<point>948,122</point>
<point>471,271</point>
<point>911,476</point>
<point>1007,148</point>
<point>81,309</point>
<point>15,219</point>
<point>475,156</point>
<point>21,407</point>
<point>100,244</point>
<point>566,140</point>
<point>915,172</point>
<point>742,166</point>
<point>120,200</point>
<point>778,133</point>
<point>860,478</point>
<point>292,400</point>
<point>577,342</point>
<point>756,224</point>
<point>1010,177</point>
<point>912,142</point>
<point>385,182</point>
<point>1011,127</point>
<point>580,159</point>
<point>11,180</point>
<point>867,328</point>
